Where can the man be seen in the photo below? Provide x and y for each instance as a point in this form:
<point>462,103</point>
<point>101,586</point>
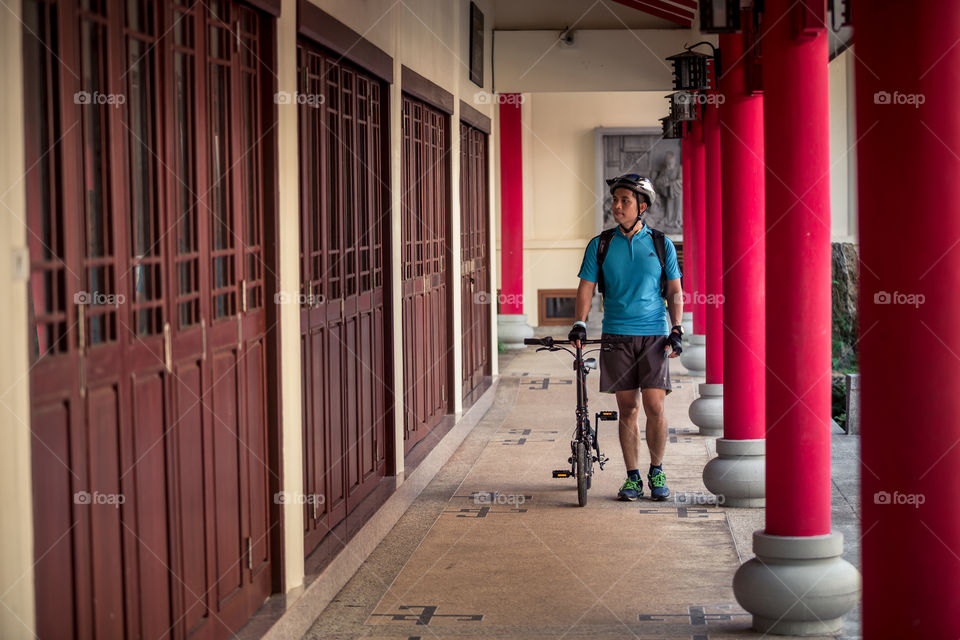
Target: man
<point>637,371</point>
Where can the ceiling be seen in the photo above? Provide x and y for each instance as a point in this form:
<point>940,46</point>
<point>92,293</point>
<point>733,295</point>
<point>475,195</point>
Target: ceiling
<point>529,15</point>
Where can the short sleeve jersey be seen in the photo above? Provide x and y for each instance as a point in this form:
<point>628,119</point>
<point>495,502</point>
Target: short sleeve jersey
<point>632,305</point>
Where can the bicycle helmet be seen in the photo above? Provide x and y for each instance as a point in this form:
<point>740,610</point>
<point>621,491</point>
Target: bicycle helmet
<point>636,183</point>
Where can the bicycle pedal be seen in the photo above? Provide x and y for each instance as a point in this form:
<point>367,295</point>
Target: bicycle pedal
<point>562,473</point>
<point>607,415</point>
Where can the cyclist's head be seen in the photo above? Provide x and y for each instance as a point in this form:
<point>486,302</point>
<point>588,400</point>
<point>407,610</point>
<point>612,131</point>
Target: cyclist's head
<point>622,209</point>
<point>640,186</point>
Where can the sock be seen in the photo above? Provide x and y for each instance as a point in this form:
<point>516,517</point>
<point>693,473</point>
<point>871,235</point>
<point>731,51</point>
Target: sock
<point>633,474</point>
<point>657,468</point>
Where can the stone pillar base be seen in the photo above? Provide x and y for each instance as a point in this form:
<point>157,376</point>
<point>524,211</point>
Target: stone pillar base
<point>512,328</point>
<point>737,475</point>
<point>707,411</point>
<point>797,585</point>
<point>694,356</point>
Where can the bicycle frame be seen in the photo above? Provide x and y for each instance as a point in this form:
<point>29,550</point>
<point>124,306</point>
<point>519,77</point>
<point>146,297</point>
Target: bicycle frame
<point>584,433</point>
<point>585,446</point>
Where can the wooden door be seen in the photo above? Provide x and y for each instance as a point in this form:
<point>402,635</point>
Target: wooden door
<point>149,387</point>
<point>342,318</point>
<point>424,285</point>
<point>474,251</point>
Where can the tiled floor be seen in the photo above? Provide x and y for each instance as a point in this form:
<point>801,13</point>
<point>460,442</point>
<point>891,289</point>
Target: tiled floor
<point>495,547</point>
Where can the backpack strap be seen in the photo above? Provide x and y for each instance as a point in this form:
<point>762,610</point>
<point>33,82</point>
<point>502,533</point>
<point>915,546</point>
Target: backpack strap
<point>603,244</point>
<point>660,246</point>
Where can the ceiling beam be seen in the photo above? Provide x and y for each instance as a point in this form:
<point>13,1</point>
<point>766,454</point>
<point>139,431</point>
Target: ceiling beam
<point>674,14</point>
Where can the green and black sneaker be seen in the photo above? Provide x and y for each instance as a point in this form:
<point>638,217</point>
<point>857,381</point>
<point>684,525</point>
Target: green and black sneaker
<point>631,490</point>
<point>657,481</point>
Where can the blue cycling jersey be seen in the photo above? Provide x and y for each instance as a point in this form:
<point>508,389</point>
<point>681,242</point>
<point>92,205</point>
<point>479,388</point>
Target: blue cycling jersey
<point>632,305</point>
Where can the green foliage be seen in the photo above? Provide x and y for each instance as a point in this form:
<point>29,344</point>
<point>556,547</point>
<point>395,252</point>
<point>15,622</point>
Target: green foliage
<point>844,340</point>
<point>838,400</point>
<point>844,345</point>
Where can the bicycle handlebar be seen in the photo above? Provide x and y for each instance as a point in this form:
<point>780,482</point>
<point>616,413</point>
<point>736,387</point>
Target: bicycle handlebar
<point>549,341</point>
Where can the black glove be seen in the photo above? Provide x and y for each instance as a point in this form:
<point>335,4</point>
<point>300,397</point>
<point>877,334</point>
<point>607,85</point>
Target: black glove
<point>579,332</point>
<point>675,341</point>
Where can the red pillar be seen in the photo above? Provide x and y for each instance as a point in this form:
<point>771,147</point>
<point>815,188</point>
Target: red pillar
<point>511,207</point>
<point>744,288</point>
<point>713,271</point>
<point>797,155</point>
<point>798,583</point>
<point>738,471</point>
<point>909,314</point>
<point>697,188</point>
<point>688,239</point>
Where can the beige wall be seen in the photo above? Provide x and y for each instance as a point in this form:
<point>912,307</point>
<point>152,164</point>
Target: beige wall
<point>558,165</point>
<point>559,199</point>
<point>288,272</point>
<point>843,150</point>
<point>599,60</point>
<point>16,498</point>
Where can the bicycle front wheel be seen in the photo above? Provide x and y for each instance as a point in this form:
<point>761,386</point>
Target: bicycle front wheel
<point>583,478</point>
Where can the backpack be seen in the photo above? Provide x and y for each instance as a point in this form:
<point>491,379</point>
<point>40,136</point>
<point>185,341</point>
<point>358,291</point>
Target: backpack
<point>659,245</point>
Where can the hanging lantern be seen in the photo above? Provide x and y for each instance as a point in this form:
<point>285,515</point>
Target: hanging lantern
<point>689,71</point>
<point>684,106</point>
<point>719,16</point>
<point>672,129</point>
<point>754,47</point>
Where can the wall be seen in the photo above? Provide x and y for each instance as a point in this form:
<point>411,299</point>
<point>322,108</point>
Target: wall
<point>598,60</point>
<point>843,150</point>
<point>16,516</point>
<point>559,198</point>
<point>429,36</point>
<point>558,164</point>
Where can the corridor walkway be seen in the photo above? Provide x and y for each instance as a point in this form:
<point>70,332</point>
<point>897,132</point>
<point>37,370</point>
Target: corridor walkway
<point>495,547</point>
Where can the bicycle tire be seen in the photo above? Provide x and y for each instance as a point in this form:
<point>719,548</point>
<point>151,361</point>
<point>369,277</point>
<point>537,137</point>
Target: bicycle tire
<point>582,477</point>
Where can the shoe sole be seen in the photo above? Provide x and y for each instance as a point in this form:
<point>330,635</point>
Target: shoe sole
<point>623,498</point>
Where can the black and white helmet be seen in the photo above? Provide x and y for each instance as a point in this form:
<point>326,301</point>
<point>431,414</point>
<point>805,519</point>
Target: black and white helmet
<point>636,183</point>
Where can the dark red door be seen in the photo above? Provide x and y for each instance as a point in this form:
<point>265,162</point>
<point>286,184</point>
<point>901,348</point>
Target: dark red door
<point>148,391</point>
<point>474,252</point>
<point>424,286</point>
<point>343,347</point>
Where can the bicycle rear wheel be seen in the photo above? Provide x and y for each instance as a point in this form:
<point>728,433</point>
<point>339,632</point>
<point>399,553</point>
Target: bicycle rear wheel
<point>583,478</point>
